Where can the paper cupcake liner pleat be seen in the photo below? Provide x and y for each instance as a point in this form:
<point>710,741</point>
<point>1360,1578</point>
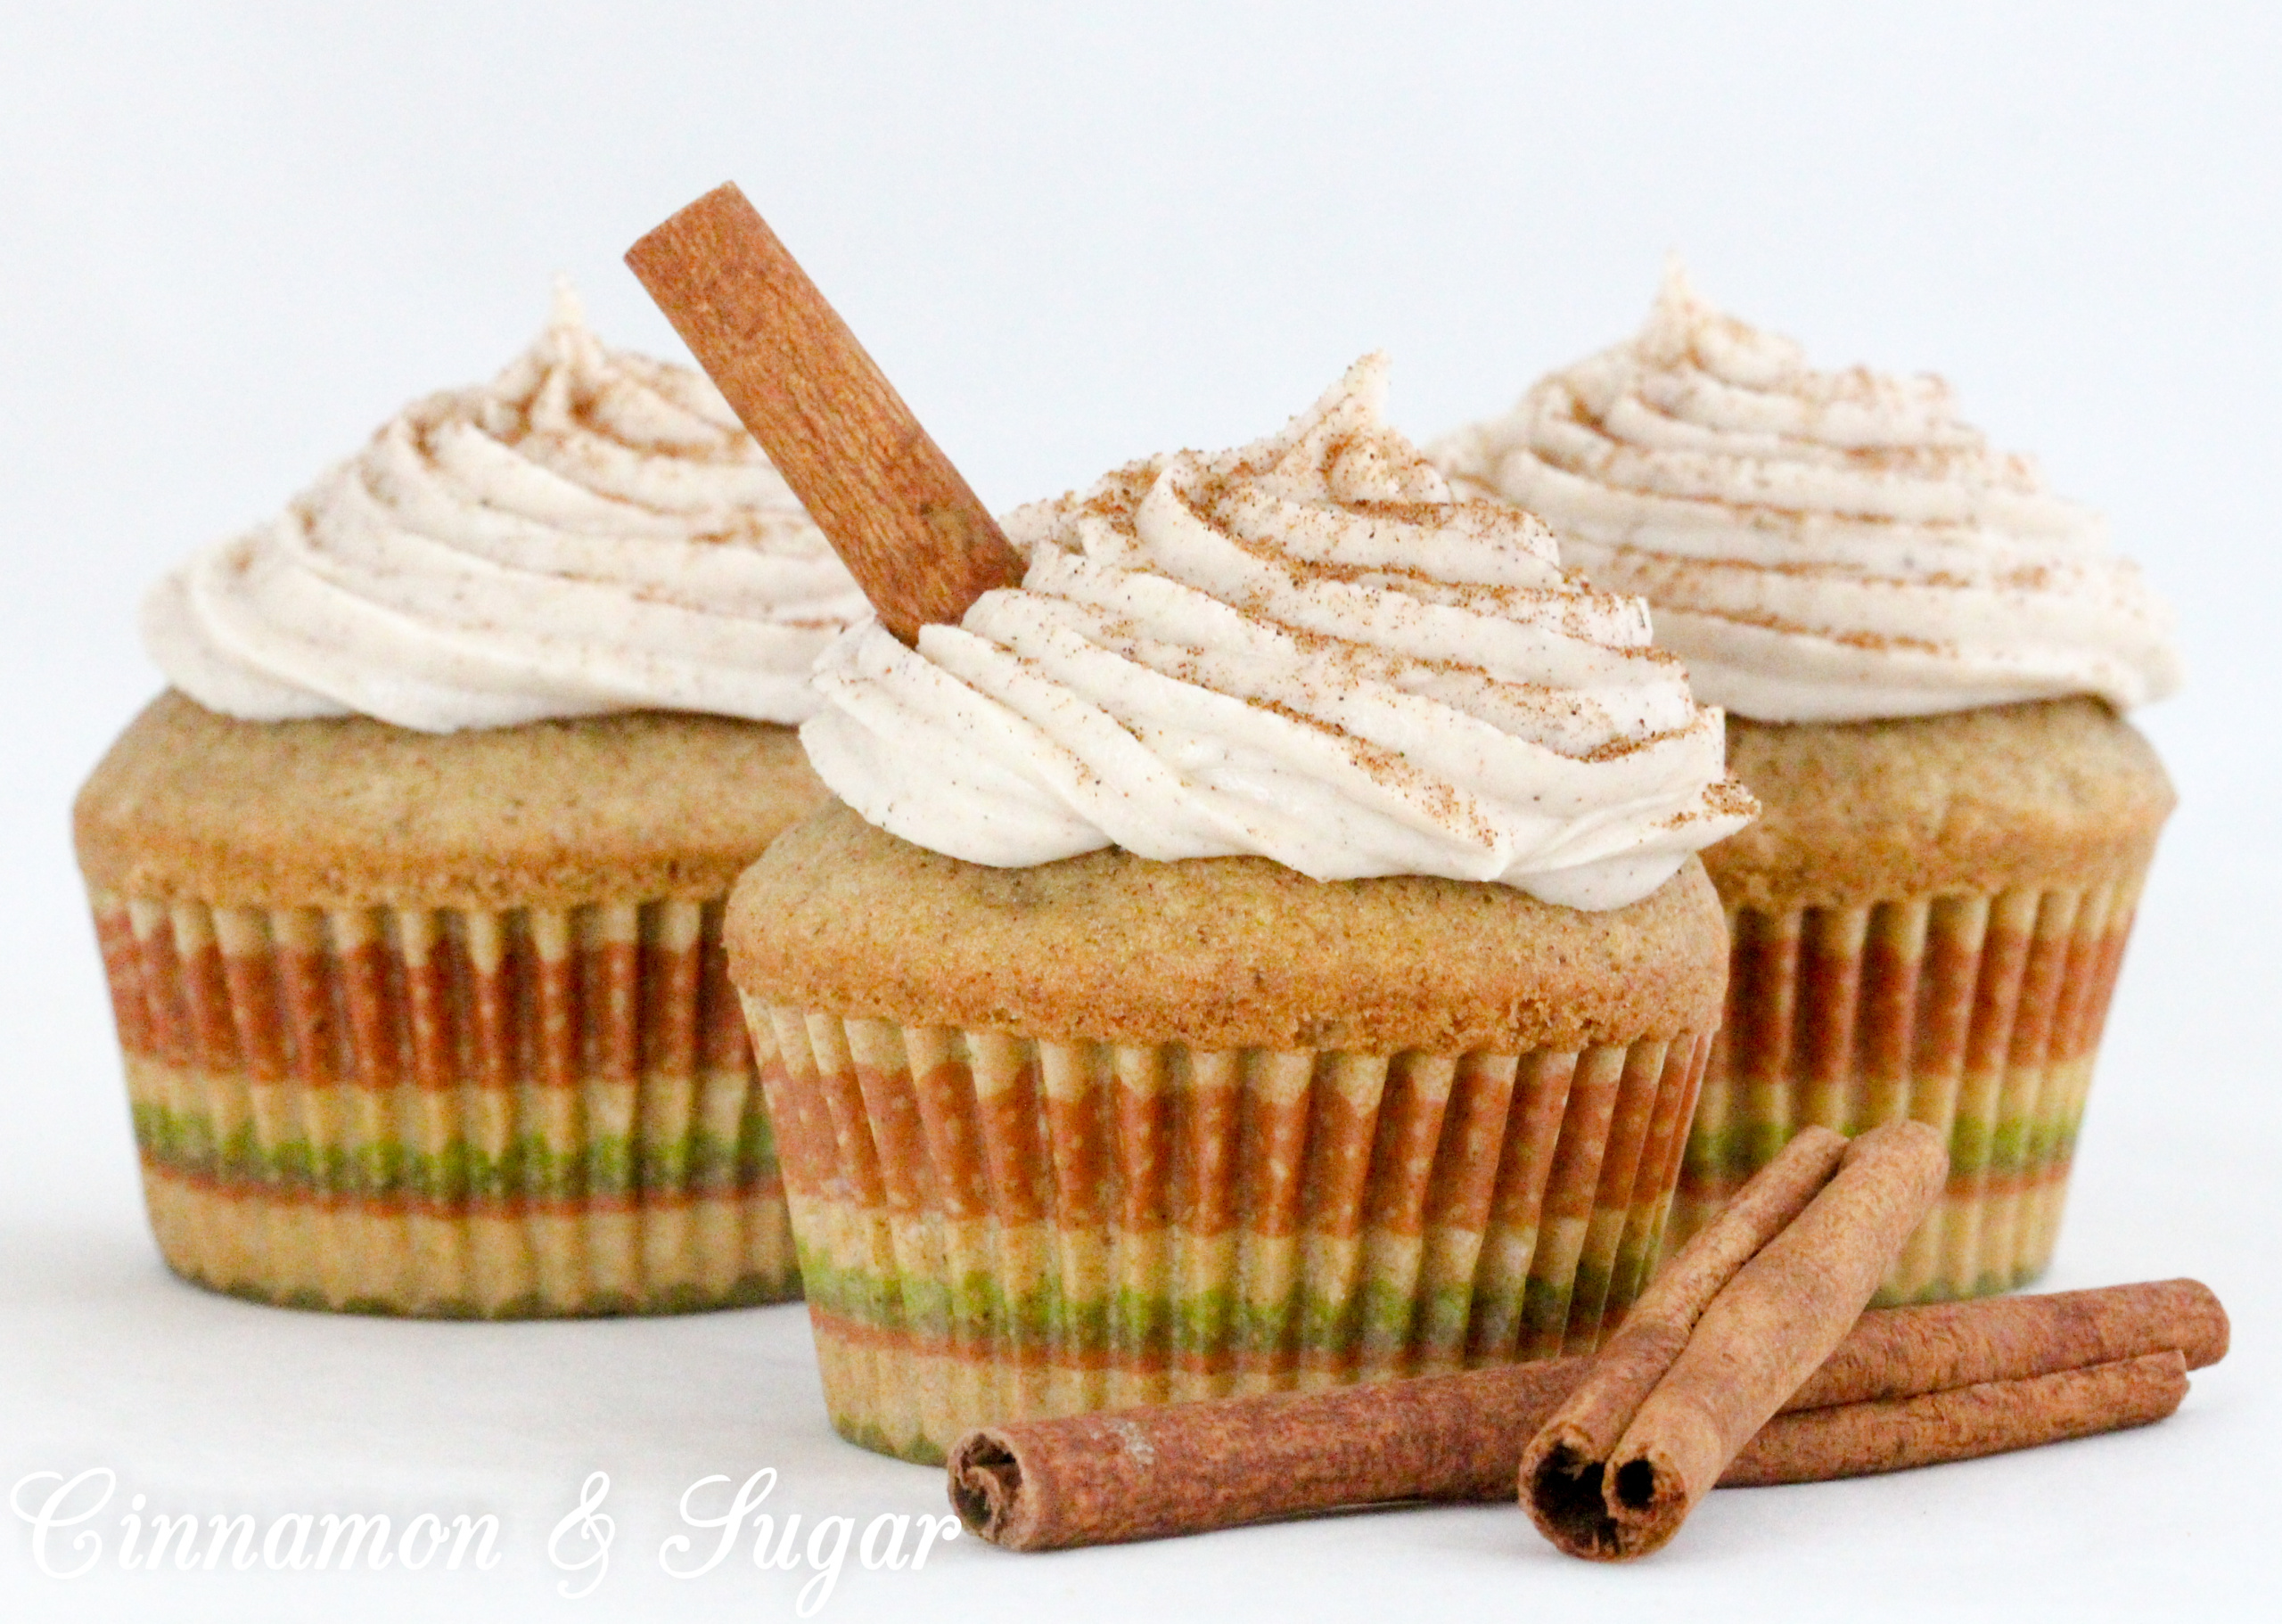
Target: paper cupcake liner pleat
<point>992,1228</point>
<point>437,1112</point>
<point>1977,1014</point>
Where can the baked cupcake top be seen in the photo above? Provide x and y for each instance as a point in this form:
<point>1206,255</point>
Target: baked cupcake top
<point>350,813</point>
<point>2039,796</point>
<point>1817,545</point>
<point>592,531</point>
<point>1304,648</point>
<point>1232,953</point>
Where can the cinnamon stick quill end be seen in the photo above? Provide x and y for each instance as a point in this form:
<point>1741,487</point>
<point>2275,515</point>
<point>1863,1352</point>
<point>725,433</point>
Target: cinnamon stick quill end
<point>1563,1489</point>
<point>1600,1509</point>
<point>986,1487</point>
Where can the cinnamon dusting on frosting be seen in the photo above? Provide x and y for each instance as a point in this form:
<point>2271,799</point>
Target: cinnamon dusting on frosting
<point>592,531</point>
<point>1819,545</point>
<point>1307,649</point>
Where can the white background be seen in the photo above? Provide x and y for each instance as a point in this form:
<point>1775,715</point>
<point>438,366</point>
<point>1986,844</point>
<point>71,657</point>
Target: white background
<point>231,245</point>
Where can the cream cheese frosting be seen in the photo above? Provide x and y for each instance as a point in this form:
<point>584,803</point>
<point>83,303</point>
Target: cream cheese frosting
<point>1304,648</point>
<point>592,531</point>
<point>1817,545</point>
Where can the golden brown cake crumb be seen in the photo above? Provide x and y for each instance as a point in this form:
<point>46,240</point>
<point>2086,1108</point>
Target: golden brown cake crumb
<point>1216,953</point>
<point>188,804</point>
<point>1980,802</point>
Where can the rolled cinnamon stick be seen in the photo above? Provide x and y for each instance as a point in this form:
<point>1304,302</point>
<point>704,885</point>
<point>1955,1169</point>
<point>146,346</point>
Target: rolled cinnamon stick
<point>1757,1339</point>
<point>1960,1423</point>
<point>1568,1457</point>
<point>1900,1353</point>
<point>916,537</point>
<point>1191,1468</point>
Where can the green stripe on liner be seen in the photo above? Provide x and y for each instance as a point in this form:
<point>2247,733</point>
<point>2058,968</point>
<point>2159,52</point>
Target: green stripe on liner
<point>747,1292</point>
<point>1444,1319</point>
<point>976,1312</point>
<point>871,1435</point>
<point>699,1163</point>
<point>2010,1146</point>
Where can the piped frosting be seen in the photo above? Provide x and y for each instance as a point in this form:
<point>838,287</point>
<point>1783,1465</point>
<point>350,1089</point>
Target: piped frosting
<point>1817,545</point>
<point>1304,649</point>
<point>591,531</point>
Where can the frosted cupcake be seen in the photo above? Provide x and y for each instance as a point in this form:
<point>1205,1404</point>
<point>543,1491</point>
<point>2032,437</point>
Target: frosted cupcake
<point>410,890</point>
<point>1923,655</point>
<point>1264,950</point>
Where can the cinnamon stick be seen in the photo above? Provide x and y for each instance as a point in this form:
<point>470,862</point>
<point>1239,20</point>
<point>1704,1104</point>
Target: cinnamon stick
<point>1616,1470</point>
<point>1655,1329</point>
<point>1899,1353</point>
<point>916,537</point>
<point>1191,1468</point>
<point>1960,1424</point>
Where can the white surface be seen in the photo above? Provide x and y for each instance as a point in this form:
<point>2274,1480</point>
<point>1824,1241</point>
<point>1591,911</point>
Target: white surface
<point>228,248</point>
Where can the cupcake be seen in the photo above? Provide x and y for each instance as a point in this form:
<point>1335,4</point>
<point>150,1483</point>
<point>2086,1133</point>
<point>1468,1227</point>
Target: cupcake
<point>1265,949</point>
<point>410,889</point>
<point>1923,656</point>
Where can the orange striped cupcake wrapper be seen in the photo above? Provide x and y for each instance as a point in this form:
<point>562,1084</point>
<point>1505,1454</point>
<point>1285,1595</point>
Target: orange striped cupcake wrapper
<point>993,1228</point>
<point>1978,1014</point>
<point>448,1112</point>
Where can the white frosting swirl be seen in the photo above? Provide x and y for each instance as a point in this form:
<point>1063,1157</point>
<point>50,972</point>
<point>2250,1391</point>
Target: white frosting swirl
<point>592,531</point>
<point>1305,649</point>
<point>1818,547</point>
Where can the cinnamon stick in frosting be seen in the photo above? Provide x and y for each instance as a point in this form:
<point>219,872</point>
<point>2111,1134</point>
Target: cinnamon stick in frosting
<point>1908,1387</point>
<point>916,537</point>
<point>1720,1347</point>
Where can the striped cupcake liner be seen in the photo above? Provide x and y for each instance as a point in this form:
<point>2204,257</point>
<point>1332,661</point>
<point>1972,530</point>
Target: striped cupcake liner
<point>1978,1014</point>
<point>993,1228</point>
<point>448,1112</point>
